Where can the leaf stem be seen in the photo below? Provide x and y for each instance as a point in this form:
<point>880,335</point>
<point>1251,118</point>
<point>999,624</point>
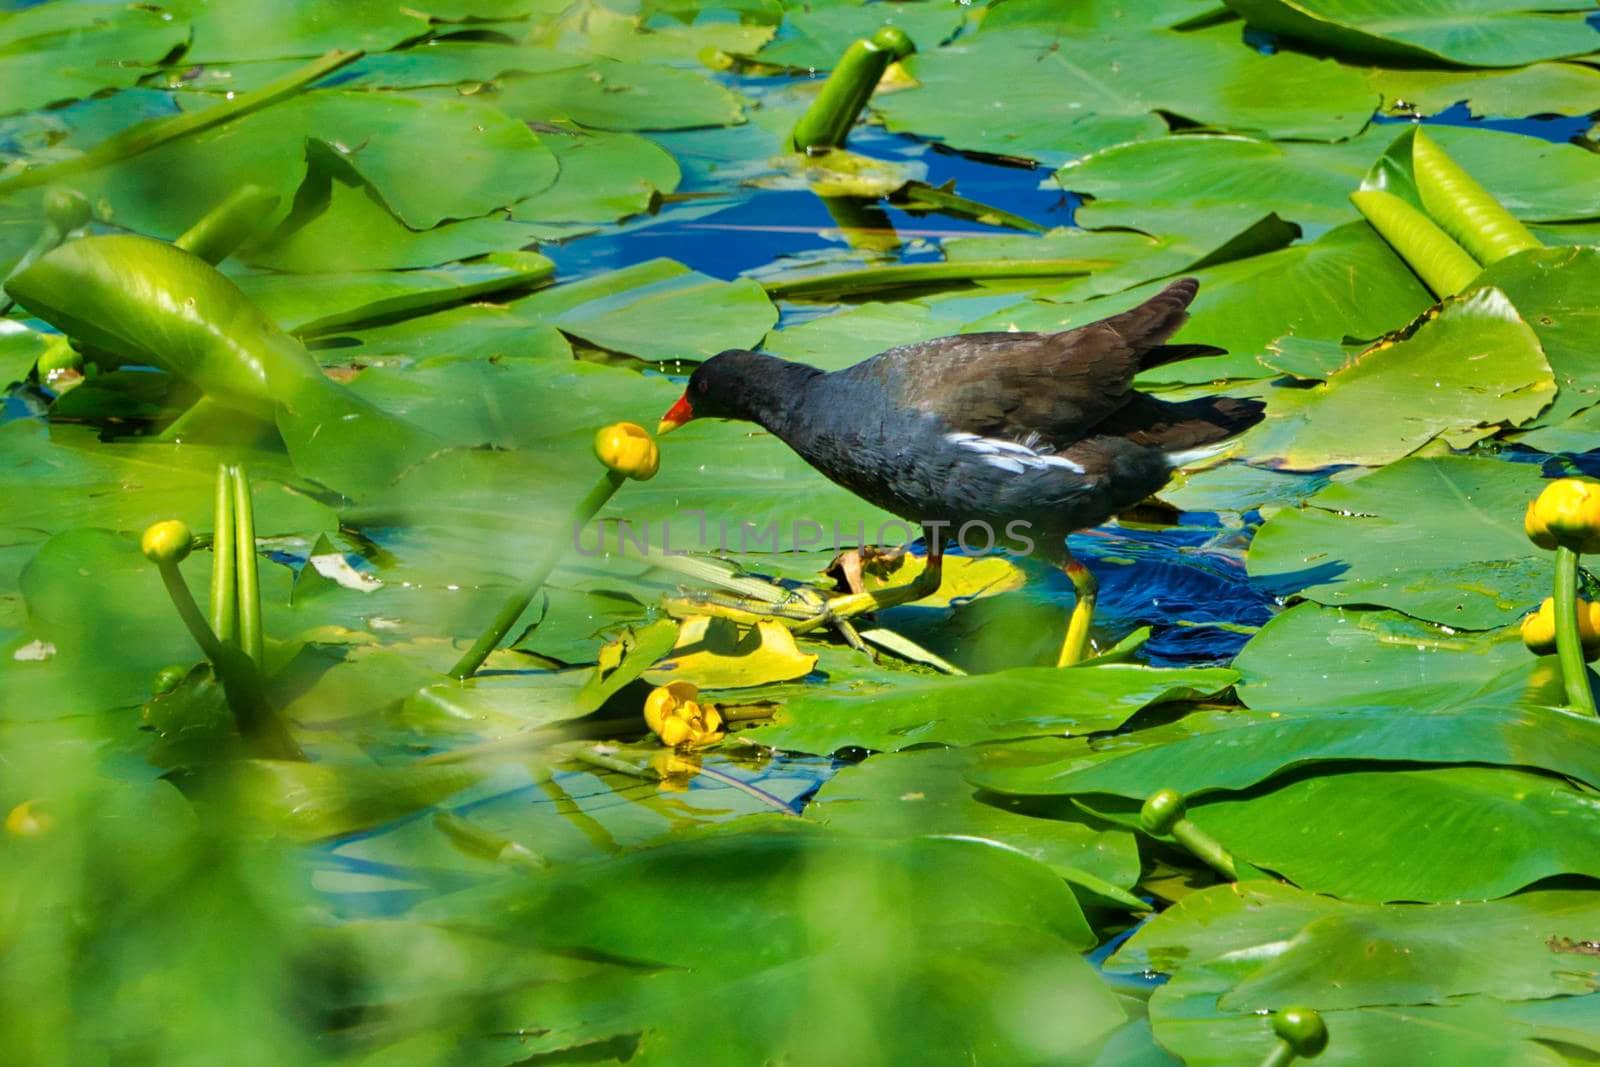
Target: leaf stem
<point>139,139</point>
<point>1205,848</point>
<point>251,638</point>
<point>189,611</point>
<point>1569,644</point>
<point>224,608</point>
<point>1281,1056</point>
<point>519,600</point>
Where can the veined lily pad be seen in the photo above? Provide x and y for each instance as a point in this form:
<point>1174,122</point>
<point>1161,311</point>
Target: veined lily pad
<point>1466,32</point>
<point>1022,702</point>
<point>1026,95</point>
<point>1439,539</point>
<point>57,52</point>
<point>1476,364</point>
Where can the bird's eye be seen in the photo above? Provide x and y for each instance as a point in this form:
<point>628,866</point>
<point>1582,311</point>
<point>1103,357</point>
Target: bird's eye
<point>702,386</point>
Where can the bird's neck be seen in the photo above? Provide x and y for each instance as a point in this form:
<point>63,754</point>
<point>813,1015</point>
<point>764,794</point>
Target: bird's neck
<point>773,400</point>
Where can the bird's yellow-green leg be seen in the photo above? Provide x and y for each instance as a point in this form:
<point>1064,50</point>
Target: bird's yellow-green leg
<point>1075,648</point>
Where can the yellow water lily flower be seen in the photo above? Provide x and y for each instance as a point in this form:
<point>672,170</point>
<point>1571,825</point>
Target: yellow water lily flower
<point>676,715</point>
<point>1566,513</point>
<point>166,542</point>
<point>1539,628</point>
<point>628,449</point>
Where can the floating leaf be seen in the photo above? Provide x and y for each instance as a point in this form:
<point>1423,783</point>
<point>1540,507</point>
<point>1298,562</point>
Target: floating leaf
<point>1466,32</point>
<point>57,52</point>
<point>712,654</point>
<point>1028,95</point>
<point>1440,539</point>
<point>1436,834</point>
<point>1476,364</point>
<point>608,95</point>
<point>1021,702</point>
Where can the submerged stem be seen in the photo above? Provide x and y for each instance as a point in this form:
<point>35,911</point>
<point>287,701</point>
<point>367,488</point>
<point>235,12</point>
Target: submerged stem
<point>251,638</point>
<point>224,606</point>
<point>519,600</point>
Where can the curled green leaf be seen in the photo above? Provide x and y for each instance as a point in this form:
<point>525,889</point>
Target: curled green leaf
<point>1463,208</point>
<point>1442,264</point>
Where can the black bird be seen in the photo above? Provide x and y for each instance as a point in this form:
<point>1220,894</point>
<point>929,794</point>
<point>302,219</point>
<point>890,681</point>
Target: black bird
<point>1036,435</point>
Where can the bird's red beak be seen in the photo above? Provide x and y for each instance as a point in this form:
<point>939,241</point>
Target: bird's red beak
<point>676,415</point>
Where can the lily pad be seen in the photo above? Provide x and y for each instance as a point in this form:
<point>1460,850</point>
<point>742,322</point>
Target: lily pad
<point>712,654</point>
<point>1465,32</point>
<point>1314,658</point>
<point>1476,364</point>
<point>1021,702</point>
<point>1439,539</point>
<point>608,95</point>
<point>924,792</point>
<point>1027,95</point>
<point>1435,834</point>
<point>57,52</point>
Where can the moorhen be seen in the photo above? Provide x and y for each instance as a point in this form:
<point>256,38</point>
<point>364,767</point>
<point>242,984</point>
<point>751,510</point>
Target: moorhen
<point>1037,435</point>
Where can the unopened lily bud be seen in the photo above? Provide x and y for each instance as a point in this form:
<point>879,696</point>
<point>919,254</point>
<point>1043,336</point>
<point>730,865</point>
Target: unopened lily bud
<point>1566,513</point>
<point>1302,1029</point>
<point>167,542</point>
<point>628,448</point>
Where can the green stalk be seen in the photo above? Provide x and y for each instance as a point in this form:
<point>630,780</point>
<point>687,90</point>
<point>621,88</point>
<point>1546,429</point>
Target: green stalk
<point>1205,848</point>
<point>229,224</point>
<point>519,600</point>
<point>224,607</point>
<point>1280,1056</point>
<point>902,274</point>
<point>251,638</point>
<point>1444,266</point>
<point>827,122</point>
<point>1569,645</point>
<point>189,612</point>
<point>1466,210</point>
<point>139,139</point>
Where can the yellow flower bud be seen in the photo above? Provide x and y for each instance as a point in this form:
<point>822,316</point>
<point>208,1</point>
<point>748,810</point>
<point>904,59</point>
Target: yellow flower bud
<point>167,542</point>
<point>23,821</point>
<point>676,715</point>
<point>1539,628</point>
<point>1569,509</point>
<point>1533,525</point>
<point>628,448</point>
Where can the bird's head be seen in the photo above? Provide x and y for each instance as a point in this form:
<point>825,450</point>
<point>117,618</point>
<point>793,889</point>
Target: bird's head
<point>729,385</point>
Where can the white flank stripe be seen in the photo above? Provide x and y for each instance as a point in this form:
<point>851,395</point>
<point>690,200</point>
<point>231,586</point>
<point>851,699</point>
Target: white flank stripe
<point>1011,455</point>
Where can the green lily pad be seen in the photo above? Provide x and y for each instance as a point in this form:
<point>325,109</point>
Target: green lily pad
<point>657,310</point>
<point>1439,539</point>
<point>57,52</point>
<point>1475,365</point>
<point>1385,659</point>
<point>603,177</point>
<point>1021,702</point>
<point>1563,88</point>
<point>1027,95</point>
<point>608,95</point>
<point>232,31</point>
<point>813,37</point>
<point>1435,834</point>
<point>925,792</point>
<point>1550,289</point>
<point>1466,32</point>
<point>1529,736</point>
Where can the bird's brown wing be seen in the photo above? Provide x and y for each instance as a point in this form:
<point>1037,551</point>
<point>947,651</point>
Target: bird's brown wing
<point>1058,386</point>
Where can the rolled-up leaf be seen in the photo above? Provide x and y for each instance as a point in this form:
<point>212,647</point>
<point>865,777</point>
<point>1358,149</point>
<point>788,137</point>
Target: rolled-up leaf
<point>1463,208</point>
<point>827,121</point>
<point>1443,265</point>
<point>149,302</point>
